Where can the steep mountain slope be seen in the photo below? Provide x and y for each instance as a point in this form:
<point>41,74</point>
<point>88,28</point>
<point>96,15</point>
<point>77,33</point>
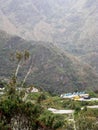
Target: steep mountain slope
<point>92,59</point>
<point>6,25</point>
<point>71,25</point>
<point>69,21</point>
<point>53,70</point>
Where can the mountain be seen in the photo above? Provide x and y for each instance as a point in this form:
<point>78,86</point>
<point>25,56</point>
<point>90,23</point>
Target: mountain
<point>6,25</point>
<point>69,24</point>
<point>68,21</point>
<point>53,69</point>
<point>92,59</point>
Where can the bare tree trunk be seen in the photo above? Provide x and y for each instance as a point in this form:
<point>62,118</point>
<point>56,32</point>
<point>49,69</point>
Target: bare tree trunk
<point>25,78</point>
<point>17,69</point>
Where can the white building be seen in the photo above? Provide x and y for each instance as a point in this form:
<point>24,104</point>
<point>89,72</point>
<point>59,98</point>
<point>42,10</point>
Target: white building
<point>75,94</point>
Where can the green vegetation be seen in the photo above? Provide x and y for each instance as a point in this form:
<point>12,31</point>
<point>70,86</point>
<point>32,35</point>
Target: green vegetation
<point>87,119</point>
<point>20,109</point>
<point>18,112</point>
<point>51,69</point>
<point>32,113</point>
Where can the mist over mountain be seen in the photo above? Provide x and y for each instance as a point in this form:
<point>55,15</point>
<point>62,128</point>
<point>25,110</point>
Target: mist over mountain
<point>69,21</point>
<point>69,25</point>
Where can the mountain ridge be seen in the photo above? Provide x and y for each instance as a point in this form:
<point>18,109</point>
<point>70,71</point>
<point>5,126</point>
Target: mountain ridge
<point>53,70</point>
<point>54,20</point>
